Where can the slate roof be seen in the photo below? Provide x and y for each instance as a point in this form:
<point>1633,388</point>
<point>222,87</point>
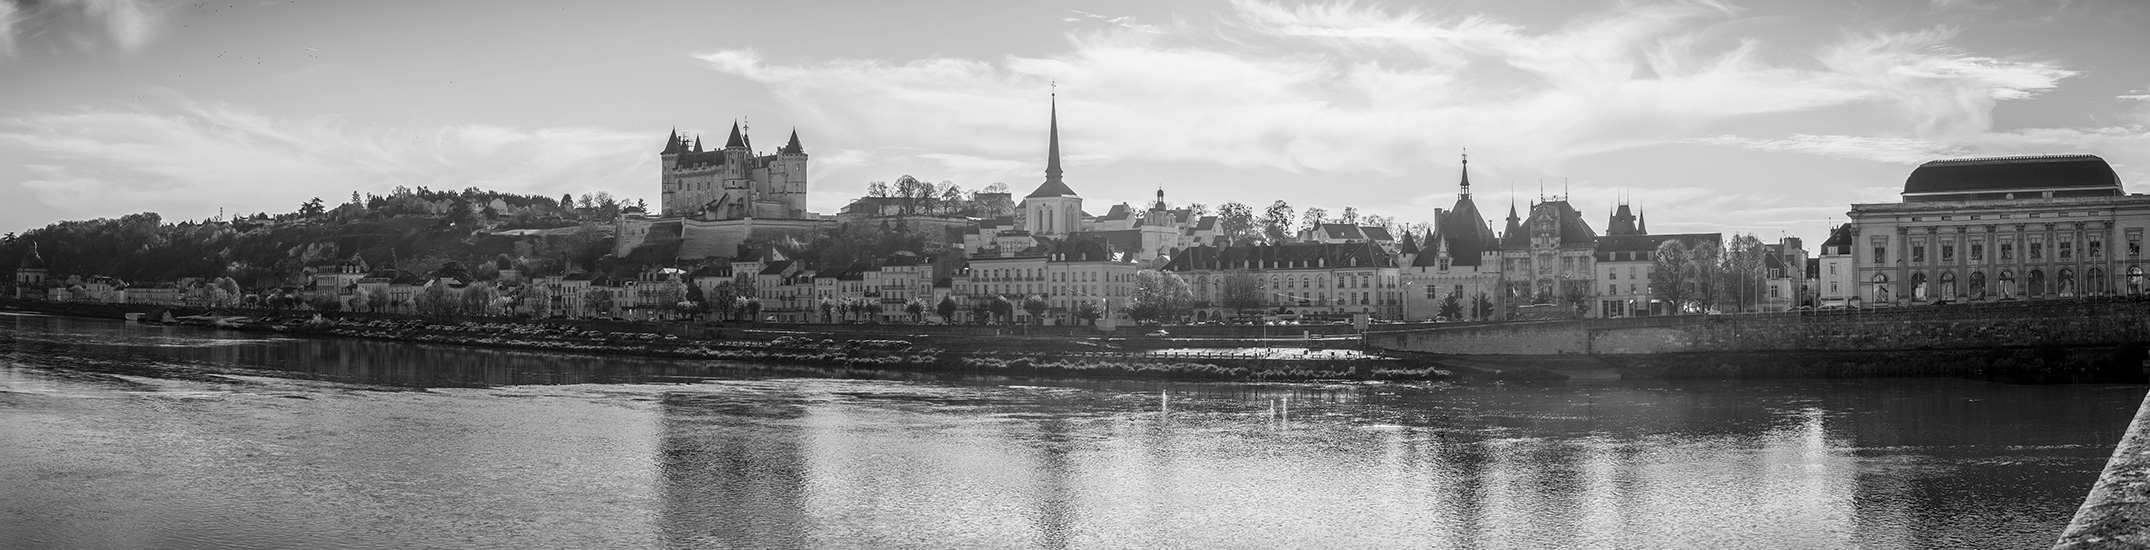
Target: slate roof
<point>2010,173</point>
<point>1376,233</point>
<point>1126,240</point>
<point>1283,256</point>
<point>1645,245</point>
<point>1341,231</point>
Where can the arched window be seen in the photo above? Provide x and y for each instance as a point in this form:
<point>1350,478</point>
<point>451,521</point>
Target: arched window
<point>1918,287</point>
<point>1978,285</point>
<point>1948,285</point>
<point>1881,288</point>
<point>2065,283</point>
<point>2135,280</point>
<point>2034,284</point>
<point>2094,283</point>
<point>2008,285</point>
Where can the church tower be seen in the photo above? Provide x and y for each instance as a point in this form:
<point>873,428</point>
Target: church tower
<point>1053,209</point>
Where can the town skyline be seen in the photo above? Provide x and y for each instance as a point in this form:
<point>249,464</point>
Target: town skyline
<point>1718,117</point>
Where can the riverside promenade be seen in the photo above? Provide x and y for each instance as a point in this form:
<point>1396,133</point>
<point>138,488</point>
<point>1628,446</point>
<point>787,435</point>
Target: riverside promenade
<point>2116,515</point>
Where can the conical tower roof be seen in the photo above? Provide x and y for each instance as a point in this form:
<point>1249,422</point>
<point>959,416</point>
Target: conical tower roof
<point>671,143</point>
<point>792,147</point>
<point>735,140</point>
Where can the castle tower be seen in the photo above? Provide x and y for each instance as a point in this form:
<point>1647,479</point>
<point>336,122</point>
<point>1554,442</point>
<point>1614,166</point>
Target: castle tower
<point>790,175</point>
<point>1053,209</point>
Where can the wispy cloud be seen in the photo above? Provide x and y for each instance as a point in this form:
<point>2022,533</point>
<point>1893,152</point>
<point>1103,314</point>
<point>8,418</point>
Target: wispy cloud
<point>86,25</point>
<point>1878,149</point>
<point>1348,88</point>
<point>190,158</point>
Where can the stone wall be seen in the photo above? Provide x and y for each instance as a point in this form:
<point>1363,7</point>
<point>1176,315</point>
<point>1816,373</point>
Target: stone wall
<point>2102,322</point>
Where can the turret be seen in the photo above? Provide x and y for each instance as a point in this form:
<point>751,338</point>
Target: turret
<point>672,149</point>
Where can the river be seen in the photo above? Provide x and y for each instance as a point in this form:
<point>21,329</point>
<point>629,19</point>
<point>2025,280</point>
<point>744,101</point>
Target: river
<point>122,436</point>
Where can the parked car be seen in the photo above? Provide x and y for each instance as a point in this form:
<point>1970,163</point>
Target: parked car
<point>1158,334</point>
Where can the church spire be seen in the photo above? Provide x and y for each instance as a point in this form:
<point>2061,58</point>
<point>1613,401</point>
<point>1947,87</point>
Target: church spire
<point>734,141</point>
<point>1642,222</point>
<point>671,144</point>
<point>1466,192</point>
<point>1052,147</point>
<point>697,143</point>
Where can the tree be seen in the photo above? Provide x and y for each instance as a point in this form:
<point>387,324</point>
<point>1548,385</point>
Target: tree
<point>1481,307</point>
<point>1088,312</point>
<point>311,208</point>
<point>1314,217</point>
<point>1276,221</point>
<point>916,308</point>
<point>1236,220</point>
<point>1159,296</point>
<point>1672,273</point>
<point>1705,264</point>
<point>567,201</point>
<point>1745,268</point>
<point>1004,308</point>
<point>598,301</point>
<point>946,309</point>
<point>1036,306</point>
<point>1242,292</point>
<point>982,310</point>
<point>377,301</point>
<point>539,300</point>
<point>1198,209</point>
<point>1349,217</point>
<point>878,189</point>
<point>1452,306</point>
<point>696,301</point>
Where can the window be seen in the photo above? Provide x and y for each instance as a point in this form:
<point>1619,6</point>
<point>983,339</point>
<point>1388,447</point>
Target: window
<point>1948,285</point>
<point>1881,287</point>
<point>1948,251</point>
<point>1978,285</point>
<point>2008,251</point>
<point>1612,289</point>
<point>2094,282</point>
<point>2034,284</point>
<point>1978,251</point>
<point>2065,283</point>
<point>1918,251</point>
<point>2096,248</point>
<point>2037,249</point>
<point>2135,242</point>
<point>1612,274</point>
<point>2008,285</point>
<point>2067,249</point>
<point>1918,286</point>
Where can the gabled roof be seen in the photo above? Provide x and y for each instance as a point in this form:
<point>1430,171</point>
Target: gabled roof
<point>2003,174</point>
<point>1341,231</point>
<point>1376,233</point>
<point>776,268</point>
<point>1647,244</point>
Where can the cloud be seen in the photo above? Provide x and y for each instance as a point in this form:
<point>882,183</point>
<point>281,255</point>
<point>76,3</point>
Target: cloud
<point>1344,88</point>
<point>85,25</point>
<point>1878,149</point>
<point>191,158</point>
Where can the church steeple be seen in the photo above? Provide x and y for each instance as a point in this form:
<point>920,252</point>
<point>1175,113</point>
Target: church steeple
<point>671,143</point>
<point>1052,147</point>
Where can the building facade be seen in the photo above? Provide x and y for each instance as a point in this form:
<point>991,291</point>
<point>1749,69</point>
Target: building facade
<point>2001,228</point>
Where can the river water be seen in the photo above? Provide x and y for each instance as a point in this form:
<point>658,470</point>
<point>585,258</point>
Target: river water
<point>121,436</point>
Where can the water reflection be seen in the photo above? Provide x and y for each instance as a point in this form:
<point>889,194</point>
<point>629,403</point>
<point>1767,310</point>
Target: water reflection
<point>741,458</point>
<point>1716,465</point>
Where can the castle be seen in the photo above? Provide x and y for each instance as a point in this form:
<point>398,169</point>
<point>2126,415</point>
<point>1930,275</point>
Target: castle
<point>712,200</point>
<point>733,182</point>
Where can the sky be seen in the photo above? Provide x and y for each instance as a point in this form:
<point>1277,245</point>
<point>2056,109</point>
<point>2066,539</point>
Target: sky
<point>1768,118</point>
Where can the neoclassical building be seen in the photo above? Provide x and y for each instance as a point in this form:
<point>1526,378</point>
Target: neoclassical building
<point>2001,228</point>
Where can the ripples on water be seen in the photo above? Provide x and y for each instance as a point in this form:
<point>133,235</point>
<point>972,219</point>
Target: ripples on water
<point>524,450</point>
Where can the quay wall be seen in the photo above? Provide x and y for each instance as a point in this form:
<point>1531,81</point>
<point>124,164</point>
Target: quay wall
<point>2105,322</point>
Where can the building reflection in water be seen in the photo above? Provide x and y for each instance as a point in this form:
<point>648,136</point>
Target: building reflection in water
<point>799,462</point>
<point>909,465</point>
